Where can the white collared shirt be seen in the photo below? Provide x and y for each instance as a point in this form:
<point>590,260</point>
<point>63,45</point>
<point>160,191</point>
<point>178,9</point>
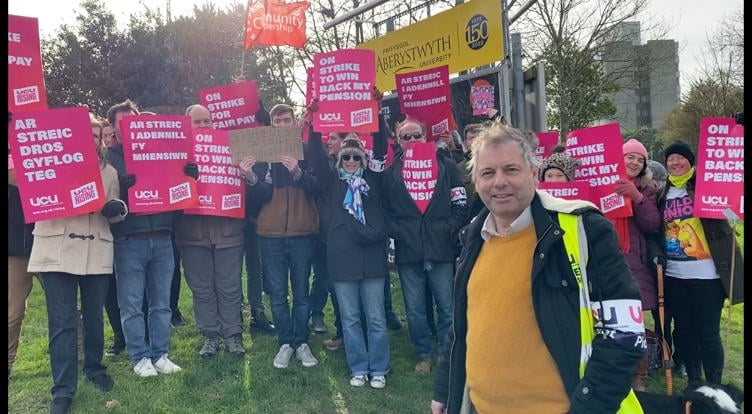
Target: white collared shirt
<point>489,225</point>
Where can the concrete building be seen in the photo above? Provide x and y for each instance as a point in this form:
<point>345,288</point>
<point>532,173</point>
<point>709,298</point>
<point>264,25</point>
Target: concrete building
<point>647,75</point>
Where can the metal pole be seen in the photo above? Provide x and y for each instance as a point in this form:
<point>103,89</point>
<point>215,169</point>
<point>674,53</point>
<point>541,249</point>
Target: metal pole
<point>518,83</point>
<point>352,13</point>
<point>505,65</point>
<point>540,79</point>
<point>522,10</point>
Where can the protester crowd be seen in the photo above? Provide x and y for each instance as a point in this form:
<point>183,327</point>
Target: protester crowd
<point>321,227</point>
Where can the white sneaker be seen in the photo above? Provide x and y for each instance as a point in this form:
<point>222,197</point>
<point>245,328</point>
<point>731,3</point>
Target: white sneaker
<point>144,368</point>
<point>283,356</point>
<point>358,380</point>
<point>165,366</point>
<point>378,381</point>
<point>305,356</point>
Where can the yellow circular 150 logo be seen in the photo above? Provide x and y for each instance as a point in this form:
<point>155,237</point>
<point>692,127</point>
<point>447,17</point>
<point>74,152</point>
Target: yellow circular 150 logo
<point>476,32</point>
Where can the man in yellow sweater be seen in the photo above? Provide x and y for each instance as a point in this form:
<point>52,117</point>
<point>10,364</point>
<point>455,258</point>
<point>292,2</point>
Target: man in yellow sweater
<point>517,338</point>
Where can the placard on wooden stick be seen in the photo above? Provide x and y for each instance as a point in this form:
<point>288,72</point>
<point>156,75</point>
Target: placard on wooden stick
<point>267,144</point>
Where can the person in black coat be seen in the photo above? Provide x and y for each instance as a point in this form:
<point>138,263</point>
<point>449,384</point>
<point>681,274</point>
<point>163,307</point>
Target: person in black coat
<point>425,241</point>
<point>355,233</point>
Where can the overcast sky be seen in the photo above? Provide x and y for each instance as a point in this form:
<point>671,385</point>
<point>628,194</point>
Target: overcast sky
<point>691,21</point>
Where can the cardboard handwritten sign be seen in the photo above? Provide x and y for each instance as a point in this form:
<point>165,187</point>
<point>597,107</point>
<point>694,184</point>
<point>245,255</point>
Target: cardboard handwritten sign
<point>267,144</point>
<point>220,188</point>
<point>25,75</point>
<point>420,170</point>
<point>344,89</point>
<point>156,149</point>
<point>425,95</point>
<point>720,168</point>
<point>599,149</point>
<point>572,190</point>
<point>56,163</point>
<point>232,106</point>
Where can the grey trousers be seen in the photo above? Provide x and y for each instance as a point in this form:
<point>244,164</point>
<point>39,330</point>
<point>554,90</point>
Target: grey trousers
<point>213,275</point>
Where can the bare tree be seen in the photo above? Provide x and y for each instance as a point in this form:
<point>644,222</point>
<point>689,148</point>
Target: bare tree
<point>569,35</point>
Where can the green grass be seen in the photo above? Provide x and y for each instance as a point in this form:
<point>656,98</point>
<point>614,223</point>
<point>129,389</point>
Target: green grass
<point>225,384</point>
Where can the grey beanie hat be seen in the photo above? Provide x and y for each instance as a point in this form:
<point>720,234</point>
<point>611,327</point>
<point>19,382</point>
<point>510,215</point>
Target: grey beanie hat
<point>659,171</point>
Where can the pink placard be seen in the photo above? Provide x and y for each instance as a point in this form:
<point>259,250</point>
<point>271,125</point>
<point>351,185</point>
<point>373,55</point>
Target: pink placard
<point>546,143</point>
<point>345,82</point>
<point>220,187</point>
<point>482,97</point>
<point>156,149</point>
<point>25,75</point>
<point>720,168</point>
<point>310,86</point>
<point>56,163</point>
<point>599,149</point>
<point>232,106</point>
<point>572,190</point>
<point>425,95</point>
<point>420,171</point>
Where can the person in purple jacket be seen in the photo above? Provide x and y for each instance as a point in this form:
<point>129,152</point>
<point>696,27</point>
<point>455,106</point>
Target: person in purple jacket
<point>641,189</point>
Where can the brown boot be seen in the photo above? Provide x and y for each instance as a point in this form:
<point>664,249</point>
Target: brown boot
<point>638,382</point>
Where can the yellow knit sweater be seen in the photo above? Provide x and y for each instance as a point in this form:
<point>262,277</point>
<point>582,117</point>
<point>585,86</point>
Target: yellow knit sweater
<point>509,368</point>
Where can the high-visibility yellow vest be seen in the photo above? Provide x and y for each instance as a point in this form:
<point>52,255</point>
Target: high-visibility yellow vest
<point>572,226</point>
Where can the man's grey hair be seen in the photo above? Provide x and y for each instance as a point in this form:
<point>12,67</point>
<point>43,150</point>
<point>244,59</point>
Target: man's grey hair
<point>496,134</point>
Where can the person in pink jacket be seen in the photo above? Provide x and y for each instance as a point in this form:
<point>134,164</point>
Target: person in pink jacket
<point>75,253</point>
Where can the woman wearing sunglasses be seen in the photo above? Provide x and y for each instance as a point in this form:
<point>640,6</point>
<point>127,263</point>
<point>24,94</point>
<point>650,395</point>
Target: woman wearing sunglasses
<point>354,227</point>
<point>425,242</point>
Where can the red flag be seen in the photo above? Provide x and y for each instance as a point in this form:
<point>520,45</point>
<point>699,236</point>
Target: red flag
<point>273,23</point>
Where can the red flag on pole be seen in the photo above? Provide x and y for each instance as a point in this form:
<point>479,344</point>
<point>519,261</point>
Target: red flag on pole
<point>273,23</point>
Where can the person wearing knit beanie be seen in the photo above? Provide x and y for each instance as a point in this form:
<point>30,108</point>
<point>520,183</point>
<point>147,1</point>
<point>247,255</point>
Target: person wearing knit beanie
<point>637,150</point>
<point>352,156</point>
<point>681,148</point>
<point>559,167</point>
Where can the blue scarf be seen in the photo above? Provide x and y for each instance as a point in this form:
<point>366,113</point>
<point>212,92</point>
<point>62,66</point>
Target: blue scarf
<point>355,185</point>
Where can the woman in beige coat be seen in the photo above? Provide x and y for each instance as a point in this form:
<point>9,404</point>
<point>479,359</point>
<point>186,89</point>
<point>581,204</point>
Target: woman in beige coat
<point>72,253</point>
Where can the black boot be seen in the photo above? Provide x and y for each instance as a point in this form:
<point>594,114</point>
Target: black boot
<point>714,376</point>
<point>260,323</point>
<point>694,372</point>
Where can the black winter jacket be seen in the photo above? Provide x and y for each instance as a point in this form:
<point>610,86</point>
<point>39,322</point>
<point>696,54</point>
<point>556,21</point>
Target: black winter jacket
<point>719,235</point>
<point>135,223</point>
<point>354,251</point>
<point>430,236</point>
<point>609,371</point>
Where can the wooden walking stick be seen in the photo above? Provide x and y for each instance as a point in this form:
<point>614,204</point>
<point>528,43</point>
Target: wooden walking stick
<point>664,343</point>
<point>733,219</point>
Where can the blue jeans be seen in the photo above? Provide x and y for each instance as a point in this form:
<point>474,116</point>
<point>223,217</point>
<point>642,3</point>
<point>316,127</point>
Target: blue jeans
<point>413,277</point>
<point>321,289</point>
<point>61,294</point>
<point>144,263</point>
<point>372,358</point>
<point>284,257</point>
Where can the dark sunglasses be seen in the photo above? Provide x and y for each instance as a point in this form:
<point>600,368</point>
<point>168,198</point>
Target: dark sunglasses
<point>414,135</point>
<point>356,158</point>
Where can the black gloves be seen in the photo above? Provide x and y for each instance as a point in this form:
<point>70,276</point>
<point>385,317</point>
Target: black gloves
<point>126,182</point>
<point>113,208</point>
<point>659,260</point>
<point>191,170</point>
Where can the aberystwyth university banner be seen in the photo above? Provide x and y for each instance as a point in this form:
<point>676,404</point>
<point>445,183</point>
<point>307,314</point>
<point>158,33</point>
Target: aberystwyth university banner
<point>462,37</point>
